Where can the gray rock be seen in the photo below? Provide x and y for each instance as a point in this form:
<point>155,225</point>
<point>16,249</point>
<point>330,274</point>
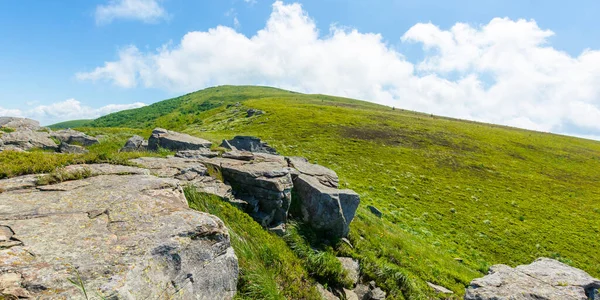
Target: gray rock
<point>375,294</point>
<point>278,229</point>
<point>28,139</point>
<point>239,155</point>
<point>543,279</point>
<point>11,148</point>
<point>19,123</point>
<point>5,233</point>
<point>361,291</point>
<point>175,141</point>
<point>350,294</point>
<point>352,268</point>
<point>135,144</point>
<point>212,186</point>
<point>248,143</point>
<point>197,154</point>
<point>172,167</point>
<point>254,112</point>
<point>325,294</point>
<point>128,237</point>
<point>326,176</point>
<point>374,210</point>
<point>324,208</point>
<point>439,288</point>
<point>266,186</point>
<point>18,183</point>
<point>71,136</point>
<point>67,148</point>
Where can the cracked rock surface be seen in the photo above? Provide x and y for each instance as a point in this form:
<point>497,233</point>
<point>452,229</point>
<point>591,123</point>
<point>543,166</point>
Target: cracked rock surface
<point>545,278</point>
<point>126,236</point>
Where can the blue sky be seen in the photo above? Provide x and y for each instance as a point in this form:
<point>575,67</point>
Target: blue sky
<point>79,59</point>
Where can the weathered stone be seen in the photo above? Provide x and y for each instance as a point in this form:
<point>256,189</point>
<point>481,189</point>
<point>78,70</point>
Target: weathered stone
<point>266,157</point>
<point>71,136</point>
<point>5,233</point>
<point>254,112</point>
<point>239,155</point>
<point>350,294</point>
<point>376,294</point>
<point>140,240</point>
<point>248,143</point>
<point>543,279</point>
<point>439,288</point>
<point>324,208</point>
<point>197,154</point>
<point>18,183</point>
<point>135,144</point>
<point>352,268</point>
<point>374,210</point>
<point>326,176</point>
<point>74,149</point>
<point>361,291</point>
<point>266,186</point>
<point>172,166</point>
<point>278,229</point>
<point>19,123</point>
<point>325,294</point>
<point>28,139</point>
<point>162,138</point>
<point>105,169</point>
<point>10,148</point>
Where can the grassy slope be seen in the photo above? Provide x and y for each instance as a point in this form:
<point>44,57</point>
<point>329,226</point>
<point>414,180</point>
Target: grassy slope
<point>70,124</point>
<point>448,189</point>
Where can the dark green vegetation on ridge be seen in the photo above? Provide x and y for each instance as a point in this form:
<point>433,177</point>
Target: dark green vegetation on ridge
<point>456,196</point>
<point>70,124</point>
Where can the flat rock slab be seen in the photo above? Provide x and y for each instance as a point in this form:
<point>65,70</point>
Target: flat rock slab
<point>18,183</point>
<point>248,143</point>
<point>162,138</point>
<point>126,236</point>
<point>197,154</point>
<point>543,279</point>
<point>172,166</point>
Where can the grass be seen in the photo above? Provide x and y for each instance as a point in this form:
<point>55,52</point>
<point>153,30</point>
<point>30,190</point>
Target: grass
<point>268,268</point>
<point>7,129</point>
<point>107,151</point>
<point>70,124</point>
<point>456,196</point>
<point>60,175</point>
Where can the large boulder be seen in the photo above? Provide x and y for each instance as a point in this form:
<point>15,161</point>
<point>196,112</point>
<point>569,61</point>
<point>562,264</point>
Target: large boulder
<point>265,186</point>
<point>19,123</point>
<point>71,136</point>
<point>326,176</point>
<point>171,140</point>
<point>119,236</point>
<point>27,139</point>
<point>324,208</point>
<point>543,279</point>
<point>74,149</point>
<point>248,143</point>
<point>135,144</point>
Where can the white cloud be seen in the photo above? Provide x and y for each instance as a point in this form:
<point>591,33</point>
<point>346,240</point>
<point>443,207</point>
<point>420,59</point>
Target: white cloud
<point>147,11</point>
<point>502,72</point>
<point>69,109</point>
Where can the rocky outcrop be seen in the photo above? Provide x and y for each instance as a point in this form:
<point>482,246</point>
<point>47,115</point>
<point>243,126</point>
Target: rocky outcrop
<point>248,143</point>
<point>19,123</point>
<point>71,136</point>
<point>325,176</point>
<point>543,279</point>
<point>126,236</point>
<point>254,112</point>
<point>171,140</point>
<point>197,154</point>
<point>265,186</point>
<point>68,148</point>
<point>28,139</point>
<point>135,144</point>
<point>324,208</point>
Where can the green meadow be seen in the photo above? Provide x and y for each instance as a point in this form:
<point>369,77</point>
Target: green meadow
<point>456,196</point>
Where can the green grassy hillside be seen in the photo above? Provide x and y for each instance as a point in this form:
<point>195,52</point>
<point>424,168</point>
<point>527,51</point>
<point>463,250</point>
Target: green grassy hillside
<point>70,124</point>
<point>456,196</point>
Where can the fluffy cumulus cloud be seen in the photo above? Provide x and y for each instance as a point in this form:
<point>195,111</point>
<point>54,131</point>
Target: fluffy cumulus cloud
<point>70,109</point>
<point>147,11</point>
<point>502,72</point>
